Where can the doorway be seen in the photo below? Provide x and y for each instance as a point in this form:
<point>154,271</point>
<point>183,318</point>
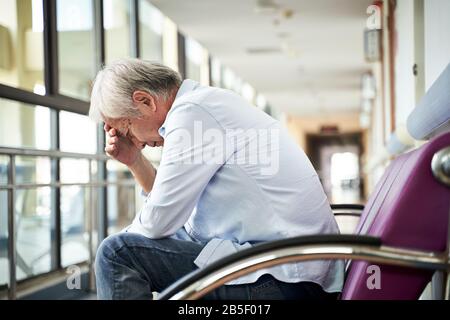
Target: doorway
<point>337,160</point>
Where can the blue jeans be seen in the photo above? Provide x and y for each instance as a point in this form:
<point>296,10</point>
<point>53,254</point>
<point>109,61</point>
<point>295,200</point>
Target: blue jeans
<point>131,266</point>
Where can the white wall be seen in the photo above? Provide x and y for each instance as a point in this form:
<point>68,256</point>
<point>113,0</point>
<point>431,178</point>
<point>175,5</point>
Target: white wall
<point>404,61</point>
<point>437,39</point>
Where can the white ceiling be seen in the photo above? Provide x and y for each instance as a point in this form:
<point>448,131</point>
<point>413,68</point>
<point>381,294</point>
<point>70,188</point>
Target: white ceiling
<point>316,59</point>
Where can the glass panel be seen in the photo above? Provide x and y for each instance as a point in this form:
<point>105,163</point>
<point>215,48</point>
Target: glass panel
<point>121,207</point>
<point>121,199</point>
<point>74,171</point>
<point>170,44</point>
<point>33,213</point>
<point>216,72</point>
<point>21,43</point>
<point>75,21</point>
<point>117,29</point>
<point>77,133</point>
<point>95,171</point>
<point>23,125</point>
<point>248,93</point>
<point>194,54</point>
<point>116,171</point>
<point>4,161</point>
<point>261,102</point>
<point>229,79</point>
<point>4,270</point>
<point>151,24</point>
<point>74,230</point>
<point>33,170</point>
<point>237,85</point>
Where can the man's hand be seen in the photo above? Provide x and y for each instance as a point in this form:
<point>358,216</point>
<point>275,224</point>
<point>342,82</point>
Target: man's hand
<point>120,148</point>
<point>124,150</point>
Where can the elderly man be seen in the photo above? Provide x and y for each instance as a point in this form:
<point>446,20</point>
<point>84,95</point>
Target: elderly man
<point>230,177</point>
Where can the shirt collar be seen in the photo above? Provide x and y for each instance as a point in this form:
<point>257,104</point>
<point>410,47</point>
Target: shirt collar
<point>187,86</point>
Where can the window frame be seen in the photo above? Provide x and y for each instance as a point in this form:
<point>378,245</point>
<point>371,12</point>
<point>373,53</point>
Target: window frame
<point>59,102</point>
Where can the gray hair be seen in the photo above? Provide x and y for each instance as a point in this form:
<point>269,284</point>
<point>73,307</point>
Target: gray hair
<point>114,87</point>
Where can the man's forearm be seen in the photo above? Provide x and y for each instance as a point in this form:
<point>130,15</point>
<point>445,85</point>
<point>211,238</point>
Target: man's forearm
<point>144,173</point>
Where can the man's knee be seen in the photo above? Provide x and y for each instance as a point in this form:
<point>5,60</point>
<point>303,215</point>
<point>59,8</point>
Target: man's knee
<point>108,246</point>
<point>111,245</point>
<point>109,258</point>
<point>107,251</point>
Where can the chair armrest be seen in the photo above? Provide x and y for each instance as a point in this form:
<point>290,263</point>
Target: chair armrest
<point>347,209</point>
<point>305,248</point>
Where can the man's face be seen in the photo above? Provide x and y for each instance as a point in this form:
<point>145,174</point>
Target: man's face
<point>141,131</point>
<point>146,131</point>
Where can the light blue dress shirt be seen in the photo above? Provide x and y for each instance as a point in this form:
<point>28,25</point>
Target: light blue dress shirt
<point>230,176</point>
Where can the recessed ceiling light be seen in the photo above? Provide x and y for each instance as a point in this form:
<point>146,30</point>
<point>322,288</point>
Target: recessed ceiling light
<point>263,50</point>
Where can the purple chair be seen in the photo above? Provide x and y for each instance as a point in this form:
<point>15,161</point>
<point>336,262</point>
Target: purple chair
<point>409,209</point>
<point>403,230</point>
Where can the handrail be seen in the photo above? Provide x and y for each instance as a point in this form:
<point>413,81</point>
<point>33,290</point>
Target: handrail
<point>100,183</point>
<point>50,153</point>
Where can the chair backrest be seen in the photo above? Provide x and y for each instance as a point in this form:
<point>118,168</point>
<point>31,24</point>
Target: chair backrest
<point>410,209</point>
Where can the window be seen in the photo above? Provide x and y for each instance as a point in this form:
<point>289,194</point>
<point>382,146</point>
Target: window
<point>33,223</point>
<point>193,59</point>
<point>229,79</point>
<point>24,125</point>
<point>121,197</point>
<point>4,275</point>
<point>33,212</point>
<point>151,24</point>
<point>80,206</point>
<point>75,213</point>
<point>248,93</point>
<point>170,44</point>
<point>216,72</point>
<point>117,29</point>
<point>74,170</point>
<point>21,43</point>
<point>261,102</point>
<point>33,170</point>
<point>197,62</point>
<point>77,67</point>
<point>4,162</point>
<point>77,133</point>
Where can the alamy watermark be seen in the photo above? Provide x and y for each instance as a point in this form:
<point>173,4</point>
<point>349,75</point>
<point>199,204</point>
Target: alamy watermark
<point>373,282</point>
<point>73,281</point>
<point>212,146</point>
<point>374,20</point>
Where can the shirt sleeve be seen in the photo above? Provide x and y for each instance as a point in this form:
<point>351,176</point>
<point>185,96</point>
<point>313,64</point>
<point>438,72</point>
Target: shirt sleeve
<point>195,147</point>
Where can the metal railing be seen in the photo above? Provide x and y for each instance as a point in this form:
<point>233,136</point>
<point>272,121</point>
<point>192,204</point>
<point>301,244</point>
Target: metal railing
<point>12,186</point>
